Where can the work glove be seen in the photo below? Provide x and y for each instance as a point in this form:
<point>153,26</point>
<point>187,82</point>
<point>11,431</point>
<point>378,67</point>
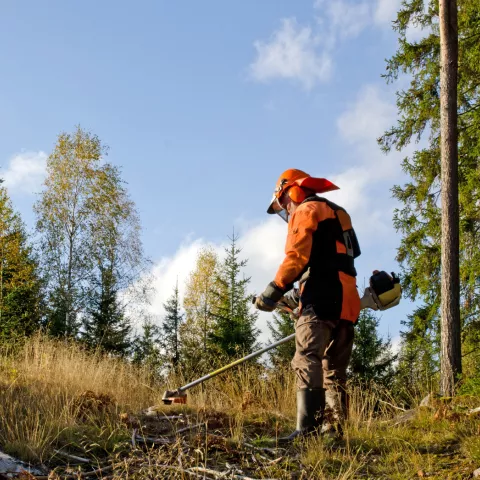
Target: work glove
<point>291,298</point>
<point>267,301</point>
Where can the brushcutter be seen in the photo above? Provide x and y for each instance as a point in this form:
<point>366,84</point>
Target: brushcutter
<point>179,395</point>
<point>383,293</point>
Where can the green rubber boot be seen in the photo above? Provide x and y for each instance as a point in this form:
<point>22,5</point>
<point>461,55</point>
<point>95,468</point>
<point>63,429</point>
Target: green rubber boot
<point>310,409</point>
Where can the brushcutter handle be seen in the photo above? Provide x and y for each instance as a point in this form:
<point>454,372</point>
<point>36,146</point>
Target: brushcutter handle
<point>279,306</point>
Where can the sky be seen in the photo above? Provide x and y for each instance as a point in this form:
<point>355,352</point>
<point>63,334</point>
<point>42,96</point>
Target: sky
<point>203,105</point>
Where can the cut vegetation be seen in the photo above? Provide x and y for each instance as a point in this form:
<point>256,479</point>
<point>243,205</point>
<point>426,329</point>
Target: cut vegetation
<point>80,415</point>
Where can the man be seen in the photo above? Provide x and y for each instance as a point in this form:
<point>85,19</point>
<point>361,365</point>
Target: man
<point>320,250</point>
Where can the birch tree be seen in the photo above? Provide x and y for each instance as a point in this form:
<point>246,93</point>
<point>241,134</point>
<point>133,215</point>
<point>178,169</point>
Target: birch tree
<point>199,303</point>
<point>90,243</point>
<point>64,218</point>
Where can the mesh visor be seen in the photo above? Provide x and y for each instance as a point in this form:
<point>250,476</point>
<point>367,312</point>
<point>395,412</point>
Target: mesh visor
<point>275,207</point>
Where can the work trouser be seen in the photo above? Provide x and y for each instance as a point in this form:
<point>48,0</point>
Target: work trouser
<point>323,351</point>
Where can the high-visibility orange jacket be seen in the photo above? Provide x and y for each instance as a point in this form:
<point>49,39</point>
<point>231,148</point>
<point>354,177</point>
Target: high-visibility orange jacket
<point>321,239</point>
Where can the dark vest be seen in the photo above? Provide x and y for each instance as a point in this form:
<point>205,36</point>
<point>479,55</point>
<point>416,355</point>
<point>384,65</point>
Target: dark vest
<point>323,288</point>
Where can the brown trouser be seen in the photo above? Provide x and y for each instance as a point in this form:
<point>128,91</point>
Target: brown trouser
<point>323,350</point>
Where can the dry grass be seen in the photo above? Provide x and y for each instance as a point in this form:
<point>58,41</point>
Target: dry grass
<point>54,395</point>
<point>41,406</point>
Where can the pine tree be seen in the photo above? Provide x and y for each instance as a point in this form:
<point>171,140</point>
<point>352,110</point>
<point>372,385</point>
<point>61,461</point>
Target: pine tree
<point>117,251</point>
<point>171,328</point>
<point>147,348</point>
<point>451,356</point>
<point>419,219</point>
<point>418,359</point>
<point>21,303</point>
<point>280,327</point>
<point>105,325</point>
<point>234,329</point>
<point>372,357</point>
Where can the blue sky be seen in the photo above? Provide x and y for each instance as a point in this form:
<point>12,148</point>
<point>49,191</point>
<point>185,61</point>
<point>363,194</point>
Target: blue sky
<point>204,104</point>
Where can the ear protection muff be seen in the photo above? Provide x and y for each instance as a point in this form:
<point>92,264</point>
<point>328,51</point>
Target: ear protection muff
<point>296,193</point>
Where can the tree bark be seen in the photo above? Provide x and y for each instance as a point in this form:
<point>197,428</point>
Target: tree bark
<point>451,360</point>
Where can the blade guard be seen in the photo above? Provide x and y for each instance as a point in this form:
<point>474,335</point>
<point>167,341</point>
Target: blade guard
<point>174,396</point>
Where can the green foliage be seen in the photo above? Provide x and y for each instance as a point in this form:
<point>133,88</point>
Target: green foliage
<point>89,240</point>
<point>418,360</point>
<point>171,328</point>
<point>234,329</point>
<point>105,326</point>
<point>280,327</point>
<point>418,104</point>
<point>20,287</point>
<point>65,213</point>
<point>196,349</point>
<point>146,347</point>
<point>372,356</point>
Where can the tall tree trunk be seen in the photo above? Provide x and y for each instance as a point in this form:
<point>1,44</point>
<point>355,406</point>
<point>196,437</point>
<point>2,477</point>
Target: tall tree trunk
<point>68,312</point>
<point>451,361</point>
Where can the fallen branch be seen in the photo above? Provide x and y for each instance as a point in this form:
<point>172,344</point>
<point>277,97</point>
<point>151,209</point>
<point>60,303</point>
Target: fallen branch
<point>209,472</point>
<point>173,417</point>
<point>72,457</point>
<point>271,451</point>
<point>154,440</point>
<point>393,406</point>
<point>190,427</point>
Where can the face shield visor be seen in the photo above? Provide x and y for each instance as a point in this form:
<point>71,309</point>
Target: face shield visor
<point>276,207</point>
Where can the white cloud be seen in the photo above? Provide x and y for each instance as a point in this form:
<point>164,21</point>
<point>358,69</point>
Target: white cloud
<point>365,186</point>
<point>305,52</point>
<point>291,53</point>
<point>168,269</point>
<point>25,172</point>
<point>396,343</point>
<point>367,118</point>
<point>385,11</point>
<point>342,19</point>
<point>262,244</point>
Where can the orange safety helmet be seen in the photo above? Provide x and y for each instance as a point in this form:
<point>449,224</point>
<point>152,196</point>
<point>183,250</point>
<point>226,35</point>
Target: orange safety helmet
<point>291,182</point>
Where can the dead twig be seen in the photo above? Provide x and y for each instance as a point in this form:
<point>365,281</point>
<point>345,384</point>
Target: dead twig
<point>209,471</point>
<point>271,451</point>
<point>154,440</point>
<point>393,406</point>
<point>190,427</point>
<point>72,457</point>
<point>173,417</point>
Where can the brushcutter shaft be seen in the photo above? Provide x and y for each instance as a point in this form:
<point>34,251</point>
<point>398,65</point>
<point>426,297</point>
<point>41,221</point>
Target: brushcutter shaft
<point>235,363</point>
<point>179,395</point>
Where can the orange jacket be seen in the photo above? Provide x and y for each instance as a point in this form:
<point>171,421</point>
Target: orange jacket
<point>303,224</point>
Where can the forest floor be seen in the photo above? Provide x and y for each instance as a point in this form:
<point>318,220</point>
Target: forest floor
<point>437,442</point>
<point>75,416</point>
